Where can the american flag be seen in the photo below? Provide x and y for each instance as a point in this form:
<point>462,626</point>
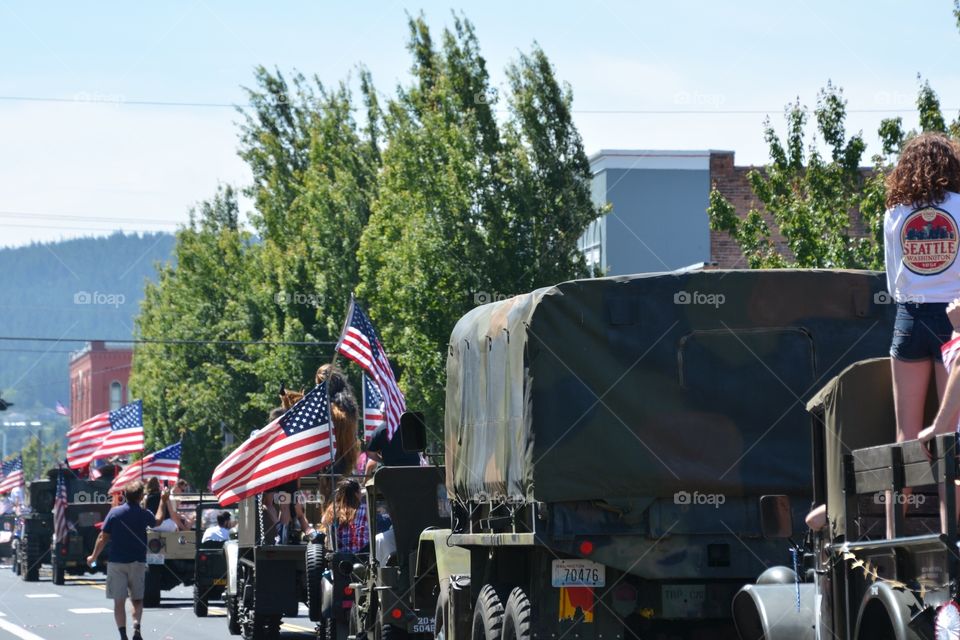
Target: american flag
<point>107,434</point>
<point>60,511</point>
<point>372,408</point>
<point>360,343</point>
<point>12,475</point>
<point>62,410</point>
<point>950,351</point>
<point>164,464</point>
<point>298,443</point>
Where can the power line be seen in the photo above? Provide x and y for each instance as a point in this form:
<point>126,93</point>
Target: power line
<point>283,343</point>
<point>80,217</point>
<point>119,100</point>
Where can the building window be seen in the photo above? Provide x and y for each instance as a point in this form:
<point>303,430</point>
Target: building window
<point>116,395</point>
<point>591,245</point>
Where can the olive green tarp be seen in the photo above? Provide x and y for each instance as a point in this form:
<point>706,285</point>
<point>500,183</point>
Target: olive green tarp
<point>855,410</point>
<point>649,385</point>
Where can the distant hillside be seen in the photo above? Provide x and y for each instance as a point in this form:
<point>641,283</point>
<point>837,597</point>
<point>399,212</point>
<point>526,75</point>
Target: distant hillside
<point>83,288</point>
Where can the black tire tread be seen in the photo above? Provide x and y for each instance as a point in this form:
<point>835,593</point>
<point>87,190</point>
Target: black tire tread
<point>517,616</point>
<point>315,567</point>
<point>488,615</point>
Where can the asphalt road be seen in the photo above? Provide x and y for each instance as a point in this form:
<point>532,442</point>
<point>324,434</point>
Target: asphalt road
<point>80,609</point>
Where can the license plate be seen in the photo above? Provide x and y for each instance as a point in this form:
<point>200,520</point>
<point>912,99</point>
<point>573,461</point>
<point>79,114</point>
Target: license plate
<point>424,625</point>
<point>578,573</point>
<point>155,558</point>
<point>683,600</point>
<point>220,582</point>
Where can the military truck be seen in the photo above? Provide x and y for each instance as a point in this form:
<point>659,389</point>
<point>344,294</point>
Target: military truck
<point>210,564</point>
<point>171,555</point>
<point>267,582</point>
<point>88,502</point>
<point>609,443</point>
<point>872,572</point>
<point>396,592</point>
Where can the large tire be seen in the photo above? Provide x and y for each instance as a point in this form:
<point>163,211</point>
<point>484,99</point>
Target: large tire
<point>487,615</point>
<point>315,566</point>
<point>233,613</point>
<point>152,590</point>
<point>199,601</point>
<point>15,563</point>
<point>517,617</point>
<point>30,564</point>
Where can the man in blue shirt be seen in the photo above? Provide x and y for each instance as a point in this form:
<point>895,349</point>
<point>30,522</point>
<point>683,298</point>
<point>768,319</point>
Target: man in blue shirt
<point>125,528</point>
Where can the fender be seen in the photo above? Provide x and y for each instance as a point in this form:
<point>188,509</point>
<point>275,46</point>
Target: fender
<point>230,554</point>
<point>897,606</point>
<point>769,611</point>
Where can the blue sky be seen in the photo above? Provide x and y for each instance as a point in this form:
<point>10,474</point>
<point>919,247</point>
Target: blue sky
<point>96,155</point>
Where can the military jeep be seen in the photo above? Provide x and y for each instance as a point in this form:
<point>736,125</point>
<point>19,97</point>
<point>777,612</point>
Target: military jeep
<point>210,566</point>
<point>171,555</point>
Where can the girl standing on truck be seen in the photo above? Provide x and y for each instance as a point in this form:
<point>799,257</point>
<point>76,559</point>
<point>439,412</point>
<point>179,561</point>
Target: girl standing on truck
<point>920,245</point>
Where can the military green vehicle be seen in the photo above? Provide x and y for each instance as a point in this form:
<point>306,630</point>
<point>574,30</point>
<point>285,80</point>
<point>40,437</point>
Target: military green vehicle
<point>210,564</point>
<point>610,442</point>
<point>267,582</point>
<point>396,595</point>
<point>88,502</point>
<point>171,555</point>
<point>872,572</point>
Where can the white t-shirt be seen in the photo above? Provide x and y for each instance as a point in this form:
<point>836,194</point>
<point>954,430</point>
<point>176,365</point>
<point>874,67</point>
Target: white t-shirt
<point>920,247</point>
<point>216,533</point>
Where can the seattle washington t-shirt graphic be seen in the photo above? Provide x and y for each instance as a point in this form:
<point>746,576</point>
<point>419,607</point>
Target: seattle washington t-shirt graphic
<point>928,238</point>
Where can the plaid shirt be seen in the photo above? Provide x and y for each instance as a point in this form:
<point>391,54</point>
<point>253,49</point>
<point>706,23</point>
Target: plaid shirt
<point>354,537</point>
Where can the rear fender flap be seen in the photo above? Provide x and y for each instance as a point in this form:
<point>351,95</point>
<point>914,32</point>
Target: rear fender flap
<point>769,611</point>
<point>896,603</point>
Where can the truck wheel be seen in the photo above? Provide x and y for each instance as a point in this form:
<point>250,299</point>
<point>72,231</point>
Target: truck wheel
<point>30,569</point>
<point>199,602</point>
<point>151,591</point>
<point>233,615</point>
<point>487,615</point>
<point>516,616</point>
<point>15,565</point>
<point>57,569</point>
<point>315,564</point>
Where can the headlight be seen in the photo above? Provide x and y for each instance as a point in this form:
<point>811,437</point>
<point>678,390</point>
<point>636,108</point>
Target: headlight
<point>946,625</point>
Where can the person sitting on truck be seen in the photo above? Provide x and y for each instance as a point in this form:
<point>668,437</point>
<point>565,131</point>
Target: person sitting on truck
<point>219,532</point>
<point>346,518</point>
<point>386,451</point>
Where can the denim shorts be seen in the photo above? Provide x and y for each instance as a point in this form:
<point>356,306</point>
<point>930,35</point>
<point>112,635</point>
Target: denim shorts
<point>919,331</point>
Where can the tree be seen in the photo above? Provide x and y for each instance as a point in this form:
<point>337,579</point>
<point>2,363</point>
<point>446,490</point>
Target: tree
<point>827,209</point>
<point>466,204</point>
<point>198,384</point>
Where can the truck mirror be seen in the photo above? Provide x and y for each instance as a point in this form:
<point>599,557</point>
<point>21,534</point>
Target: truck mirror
<point>413,432</point>
<point>775,517</point>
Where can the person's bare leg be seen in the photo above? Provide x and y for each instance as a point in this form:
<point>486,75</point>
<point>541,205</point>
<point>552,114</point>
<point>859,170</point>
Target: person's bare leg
<point>940,373</point>
<point>137,612</point>
<point>910,382</point>
<point>120,612</point>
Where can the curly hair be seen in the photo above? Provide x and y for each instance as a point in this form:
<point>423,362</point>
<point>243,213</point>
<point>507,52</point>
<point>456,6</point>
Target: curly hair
<point>929,166</point>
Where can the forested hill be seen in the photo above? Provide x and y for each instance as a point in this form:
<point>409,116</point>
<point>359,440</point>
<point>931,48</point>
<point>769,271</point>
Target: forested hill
<point>82,288</point>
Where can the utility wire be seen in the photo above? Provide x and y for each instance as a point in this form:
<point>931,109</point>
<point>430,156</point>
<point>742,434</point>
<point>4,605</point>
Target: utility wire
<point>285,343</point>
<point>118,100</point>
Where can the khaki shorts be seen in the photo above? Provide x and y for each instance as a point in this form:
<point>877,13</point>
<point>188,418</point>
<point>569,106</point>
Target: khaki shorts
<point>126,579</point>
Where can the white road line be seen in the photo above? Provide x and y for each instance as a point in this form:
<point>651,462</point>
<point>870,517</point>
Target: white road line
<point>43,595</point>
<point>91,610</point>
<point>18,631</point>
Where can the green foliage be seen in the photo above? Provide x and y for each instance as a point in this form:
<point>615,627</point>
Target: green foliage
<point>416,205</point>
<point>201,392</point>
<point>811,199</point>
<point>468,205</point>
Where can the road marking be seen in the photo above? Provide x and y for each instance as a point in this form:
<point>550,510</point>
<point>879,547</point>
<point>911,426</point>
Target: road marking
<point>43,595</point>
<point>89,610</point>
<point>18,631</point>
<point>295,627</point>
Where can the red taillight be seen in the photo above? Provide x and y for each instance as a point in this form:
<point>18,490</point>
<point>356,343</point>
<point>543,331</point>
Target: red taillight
<point>203,557</point>
<point>396,614</point>
<point>586,547</point>
<point>63,551</point>
<point>348,590</point>
<point>155,545</point>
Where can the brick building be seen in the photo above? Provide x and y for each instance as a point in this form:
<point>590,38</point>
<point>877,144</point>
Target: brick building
<point>98,380</point>
<point>658,219</point>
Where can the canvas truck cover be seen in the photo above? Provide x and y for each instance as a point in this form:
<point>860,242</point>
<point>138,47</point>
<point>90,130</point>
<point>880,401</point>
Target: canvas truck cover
<point>854,410</point>
<point>649,385</point>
